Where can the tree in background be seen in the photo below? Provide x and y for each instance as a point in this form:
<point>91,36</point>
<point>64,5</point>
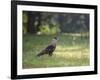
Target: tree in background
<point>48,22</point>
<point>33,22</point>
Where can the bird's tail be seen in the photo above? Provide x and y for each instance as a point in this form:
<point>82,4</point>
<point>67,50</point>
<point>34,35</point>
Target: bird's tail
<point>41,53</point>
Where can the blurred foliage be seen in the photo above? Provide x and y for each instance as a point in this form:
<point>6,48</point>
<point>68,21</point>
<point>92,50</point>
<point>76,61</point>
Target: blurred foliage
<point>46,30</point>
<point>24,23</point>
<point>51,23</point>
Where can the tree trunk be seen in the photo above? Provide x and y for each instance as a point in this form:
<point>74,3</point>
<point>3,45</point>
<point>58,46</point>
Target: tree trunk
<point>30,23</point>
<point>34,21</point>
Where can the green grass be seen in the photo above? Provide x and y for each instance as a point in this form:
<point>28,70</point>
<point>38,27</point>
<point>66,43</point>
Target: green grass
<point>71,50</point>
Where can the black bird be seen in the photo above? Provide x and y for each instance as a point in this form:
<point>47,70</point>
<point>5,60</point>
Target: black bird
<point>49,49</point>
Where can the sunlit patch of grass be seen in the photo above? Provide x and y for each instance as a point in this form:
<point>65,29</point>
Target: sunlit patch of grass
<point>66,53</point>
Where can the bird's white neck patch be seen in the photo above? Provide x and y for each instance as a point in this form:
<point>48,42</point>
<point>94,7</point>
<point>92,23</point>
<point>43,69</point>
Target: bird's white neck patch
<point>54,42</point>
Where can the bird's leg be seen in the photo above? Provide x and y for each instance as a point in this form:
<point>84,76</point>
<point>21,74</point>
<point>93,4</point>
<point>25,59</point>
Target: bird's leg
<point>50,54</point>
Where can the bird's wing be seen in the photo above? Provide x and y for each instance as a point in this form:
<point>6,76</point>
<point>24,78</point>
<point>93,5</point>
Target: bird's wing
<point>50,48</point>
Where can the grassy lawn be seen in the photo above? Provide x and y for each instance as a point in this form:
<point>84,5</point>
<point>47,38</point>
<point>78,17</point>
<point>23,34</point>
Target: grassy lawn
<point>71,50</point>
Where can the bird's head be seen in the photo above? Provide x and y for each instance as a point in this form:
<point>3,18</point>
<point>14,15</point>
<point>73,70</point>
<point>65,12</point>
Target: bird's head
<point>54,41</point>
<point>55,38</point>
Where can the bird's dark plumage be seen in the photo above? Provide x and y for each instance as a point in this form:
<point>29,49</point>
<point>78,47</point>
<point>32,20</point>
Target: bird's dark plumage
<point>49,49</point>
